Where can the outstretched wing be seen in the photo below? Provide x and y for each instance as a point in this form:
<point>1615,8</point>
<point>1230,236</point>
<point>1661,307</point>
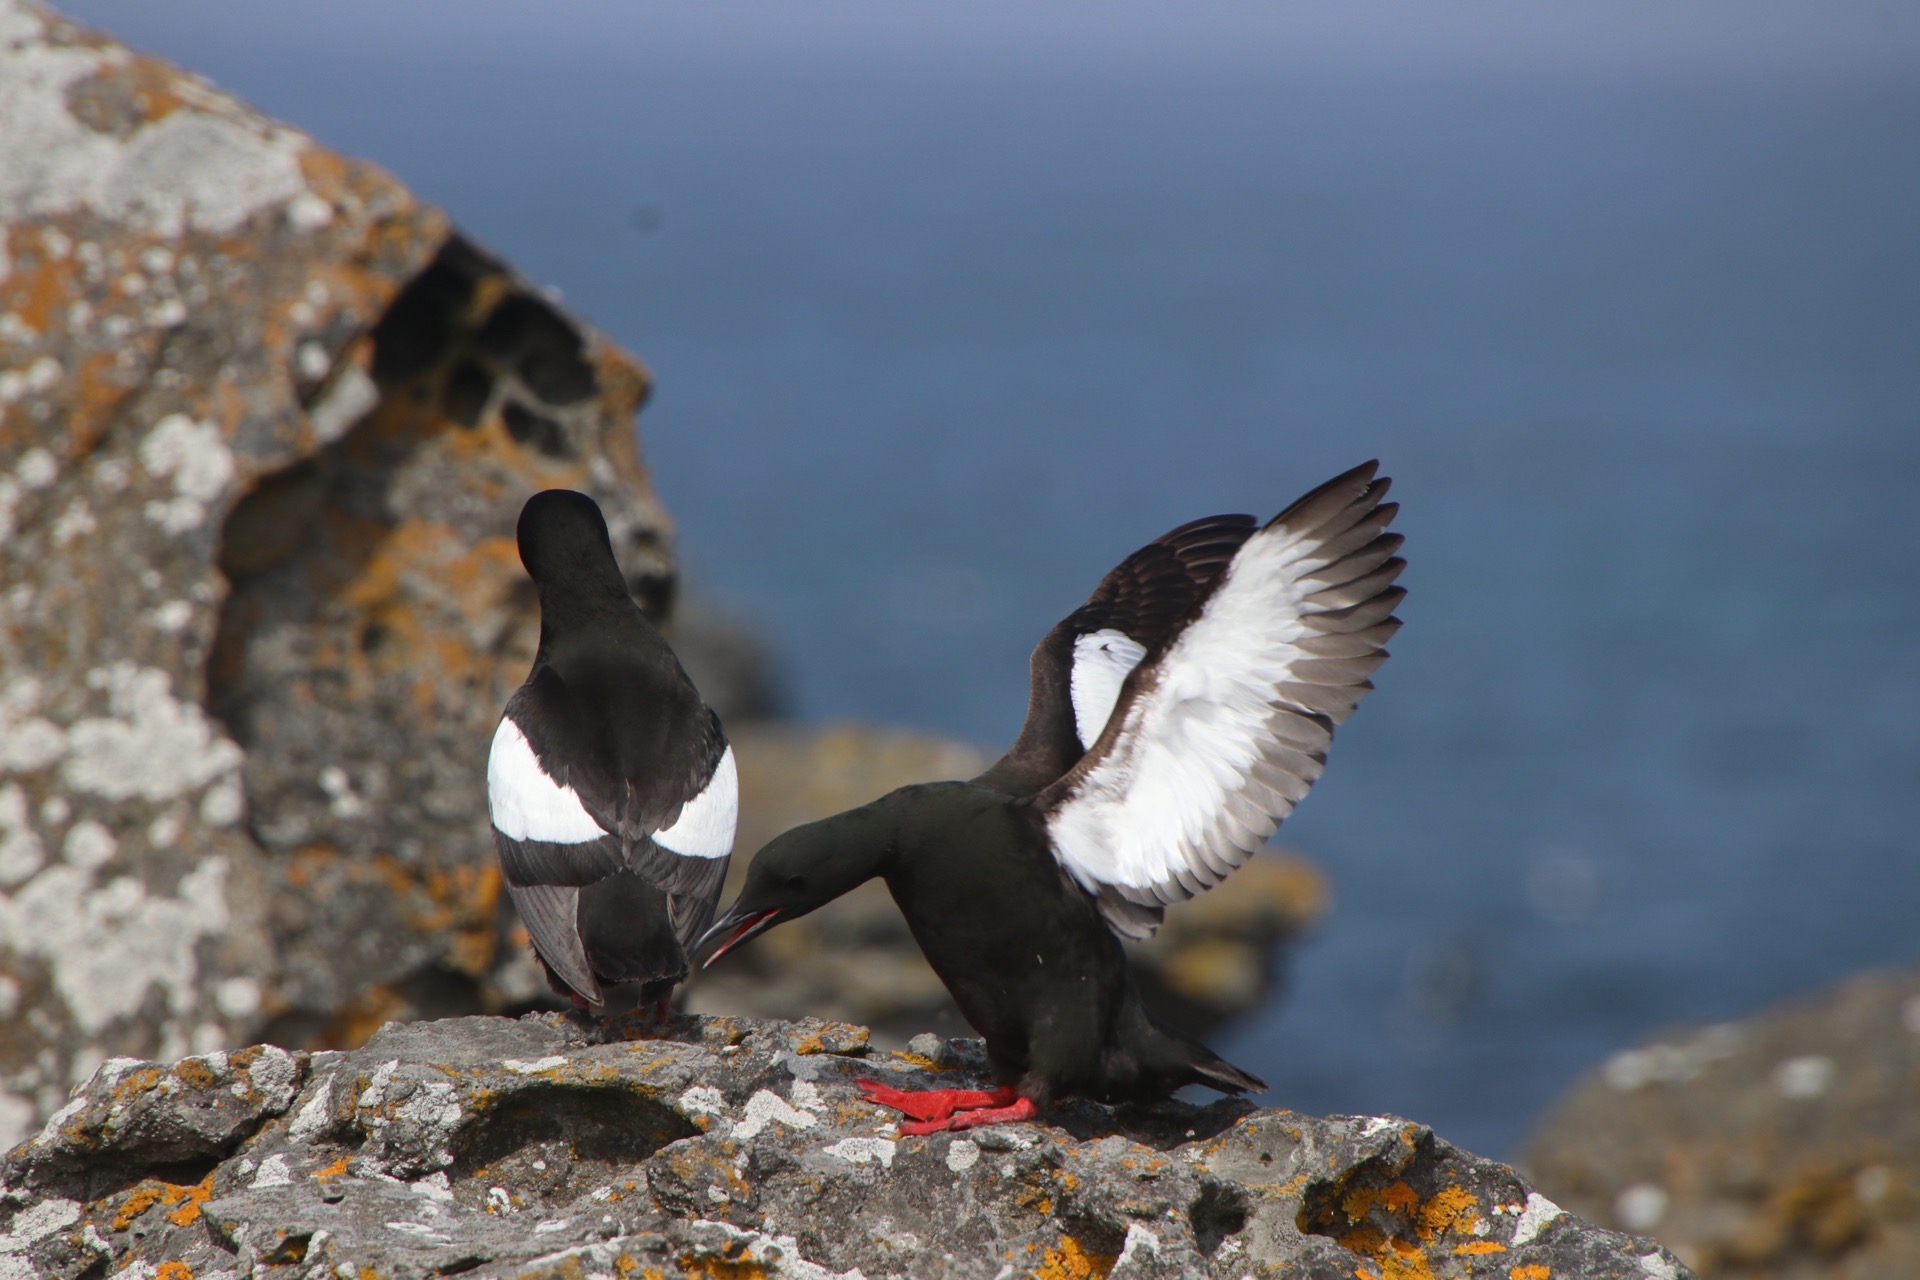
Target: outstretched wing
<point>1078,668</point>
<point>1220,734</point>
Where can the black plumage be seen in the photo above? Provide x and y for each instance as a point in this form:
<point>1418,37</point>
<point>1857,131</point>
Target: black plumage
<point>610,783</point>
<point>1174,720</point>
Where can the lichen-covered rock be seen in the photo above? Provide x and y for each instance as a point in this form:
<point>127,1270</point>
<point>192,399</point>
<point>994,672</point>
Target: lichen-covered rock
<point>265,426</point>
<point>739,1148</point>
<point>196,1107</point>
<point>1787,1145</point>
<point>854,959</point>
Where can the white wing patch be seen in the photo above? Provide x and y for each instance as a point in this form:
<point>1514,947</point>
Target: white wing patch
<point>1232,726</point>
<point>525,803</point>
<point>1101,662</point>
<point>705,826</point>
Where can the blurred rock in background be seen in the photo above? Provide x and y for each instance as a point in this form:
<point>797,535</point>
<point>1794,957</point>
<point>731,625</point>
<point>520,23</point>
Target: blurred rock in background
<point>1784,1146</point>
<point>266,423</point>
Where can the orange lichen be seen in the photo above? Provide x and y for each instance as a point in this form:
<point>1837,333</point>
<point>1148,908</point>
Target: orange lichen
<point>708,1268</point>
<point>1532,1271</point>
<point>1405,1266</point>
<point>137,1083</point>
<point>196,1073</point>
<point>142,1198</point>
<point>1396,1198</point>
<point>333,1170</point>
<point>98,396</point>
<point>1070,1260</point>
<point>173,1271</point>
<point>1397,1259</point>
<point>1368,1242</point>
<point>465,902</point>
<point>817,1042</point>
<point>1393,1227</point>
<point>191,1199</point>
<point>1451,1209</point>
<point>150,87</point>
<point>39,293</point>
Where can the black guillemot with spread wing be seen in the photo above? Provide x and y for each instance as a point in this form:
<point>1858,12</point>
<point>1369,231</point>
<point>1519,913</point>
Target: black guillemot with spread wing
<point>1174,721</point>
<point>611,786</point>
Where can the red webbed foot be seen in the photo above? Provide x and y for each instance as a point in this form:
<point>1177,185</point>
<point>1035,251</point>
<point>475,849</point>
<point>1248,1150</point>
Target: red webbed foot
<point>933,1104</point>
<point>1022,1109</point>
<point>935,1110</point>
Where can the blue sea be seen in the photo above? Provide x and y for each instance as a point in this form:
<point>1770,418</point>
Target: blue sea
<point>952,308</point>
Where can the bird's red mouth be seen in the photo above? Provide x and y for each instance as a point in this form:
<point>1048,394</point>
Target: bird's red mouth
<point>750,927</point>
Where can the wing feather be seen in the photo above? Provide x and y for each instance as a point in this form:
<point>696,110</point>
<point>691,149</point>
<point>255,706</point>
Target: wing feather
<point>551,914</point>
<point>692,911</point>
<point>568,814</point>
<point>1079,667</point>
<point>1363,532</point>
<point>1329,511</point>
<point>1335,702</point>
<point>1356,564</point>
<point>1350,644</point>
<point>1219,733</point>
<point>682,854</point>
<point>1354,591</point>
<point>1378,609</point>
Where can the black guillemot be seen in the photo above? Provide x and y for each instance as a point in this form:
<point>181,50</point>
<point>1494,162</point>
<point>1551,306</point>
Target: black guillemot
<point>1174,721</point>
<point>611,786</point>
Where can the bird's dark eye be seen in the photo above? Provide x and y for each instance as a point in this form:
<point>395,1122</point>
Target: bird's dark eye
<point>796,882</point>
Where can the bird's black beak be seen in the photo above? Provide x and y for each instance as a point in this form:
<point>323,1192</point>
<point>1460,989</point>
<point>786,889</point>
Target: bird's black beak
<point>736,927</point>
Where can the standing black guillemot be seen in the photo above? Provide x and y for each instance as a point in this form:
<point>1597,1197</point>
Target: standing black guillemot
<point>1174,721</point>
<point>611,786</point>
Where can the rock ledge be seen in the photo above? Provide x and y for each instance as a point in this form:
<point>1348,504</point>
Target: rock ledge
<point>730,1147</point>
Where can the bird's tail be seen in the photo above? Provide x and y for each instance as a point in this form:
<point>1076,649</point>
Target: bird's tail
<point>1214,1071</point>
<point>1175,1060</point>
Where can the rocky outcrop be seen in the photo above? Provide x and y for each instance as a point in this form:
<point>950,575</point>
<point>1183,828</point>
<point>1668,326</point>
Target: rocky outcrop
<point>265,425</point>
<point>1784,1146</point>
<point>731,1148</point>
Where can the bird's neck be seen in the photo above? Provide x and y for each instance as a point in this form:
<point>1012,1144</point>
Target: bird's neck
<point>1046,747</point>
<point>867,842</point>
<point>593,621</point>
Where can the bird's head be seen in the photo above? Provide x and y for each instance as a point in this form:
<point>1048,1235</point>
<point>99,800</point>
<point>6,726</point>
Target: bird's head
<point>563,539</point>
<point>803,870</point>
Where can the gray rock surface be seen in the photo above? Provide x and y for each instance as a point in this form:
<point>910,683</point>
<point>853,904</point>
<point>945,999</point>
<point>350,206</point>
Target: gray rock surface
<point>265,426</point>
<point>731,1148</point>
<point>1785,1145</point>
